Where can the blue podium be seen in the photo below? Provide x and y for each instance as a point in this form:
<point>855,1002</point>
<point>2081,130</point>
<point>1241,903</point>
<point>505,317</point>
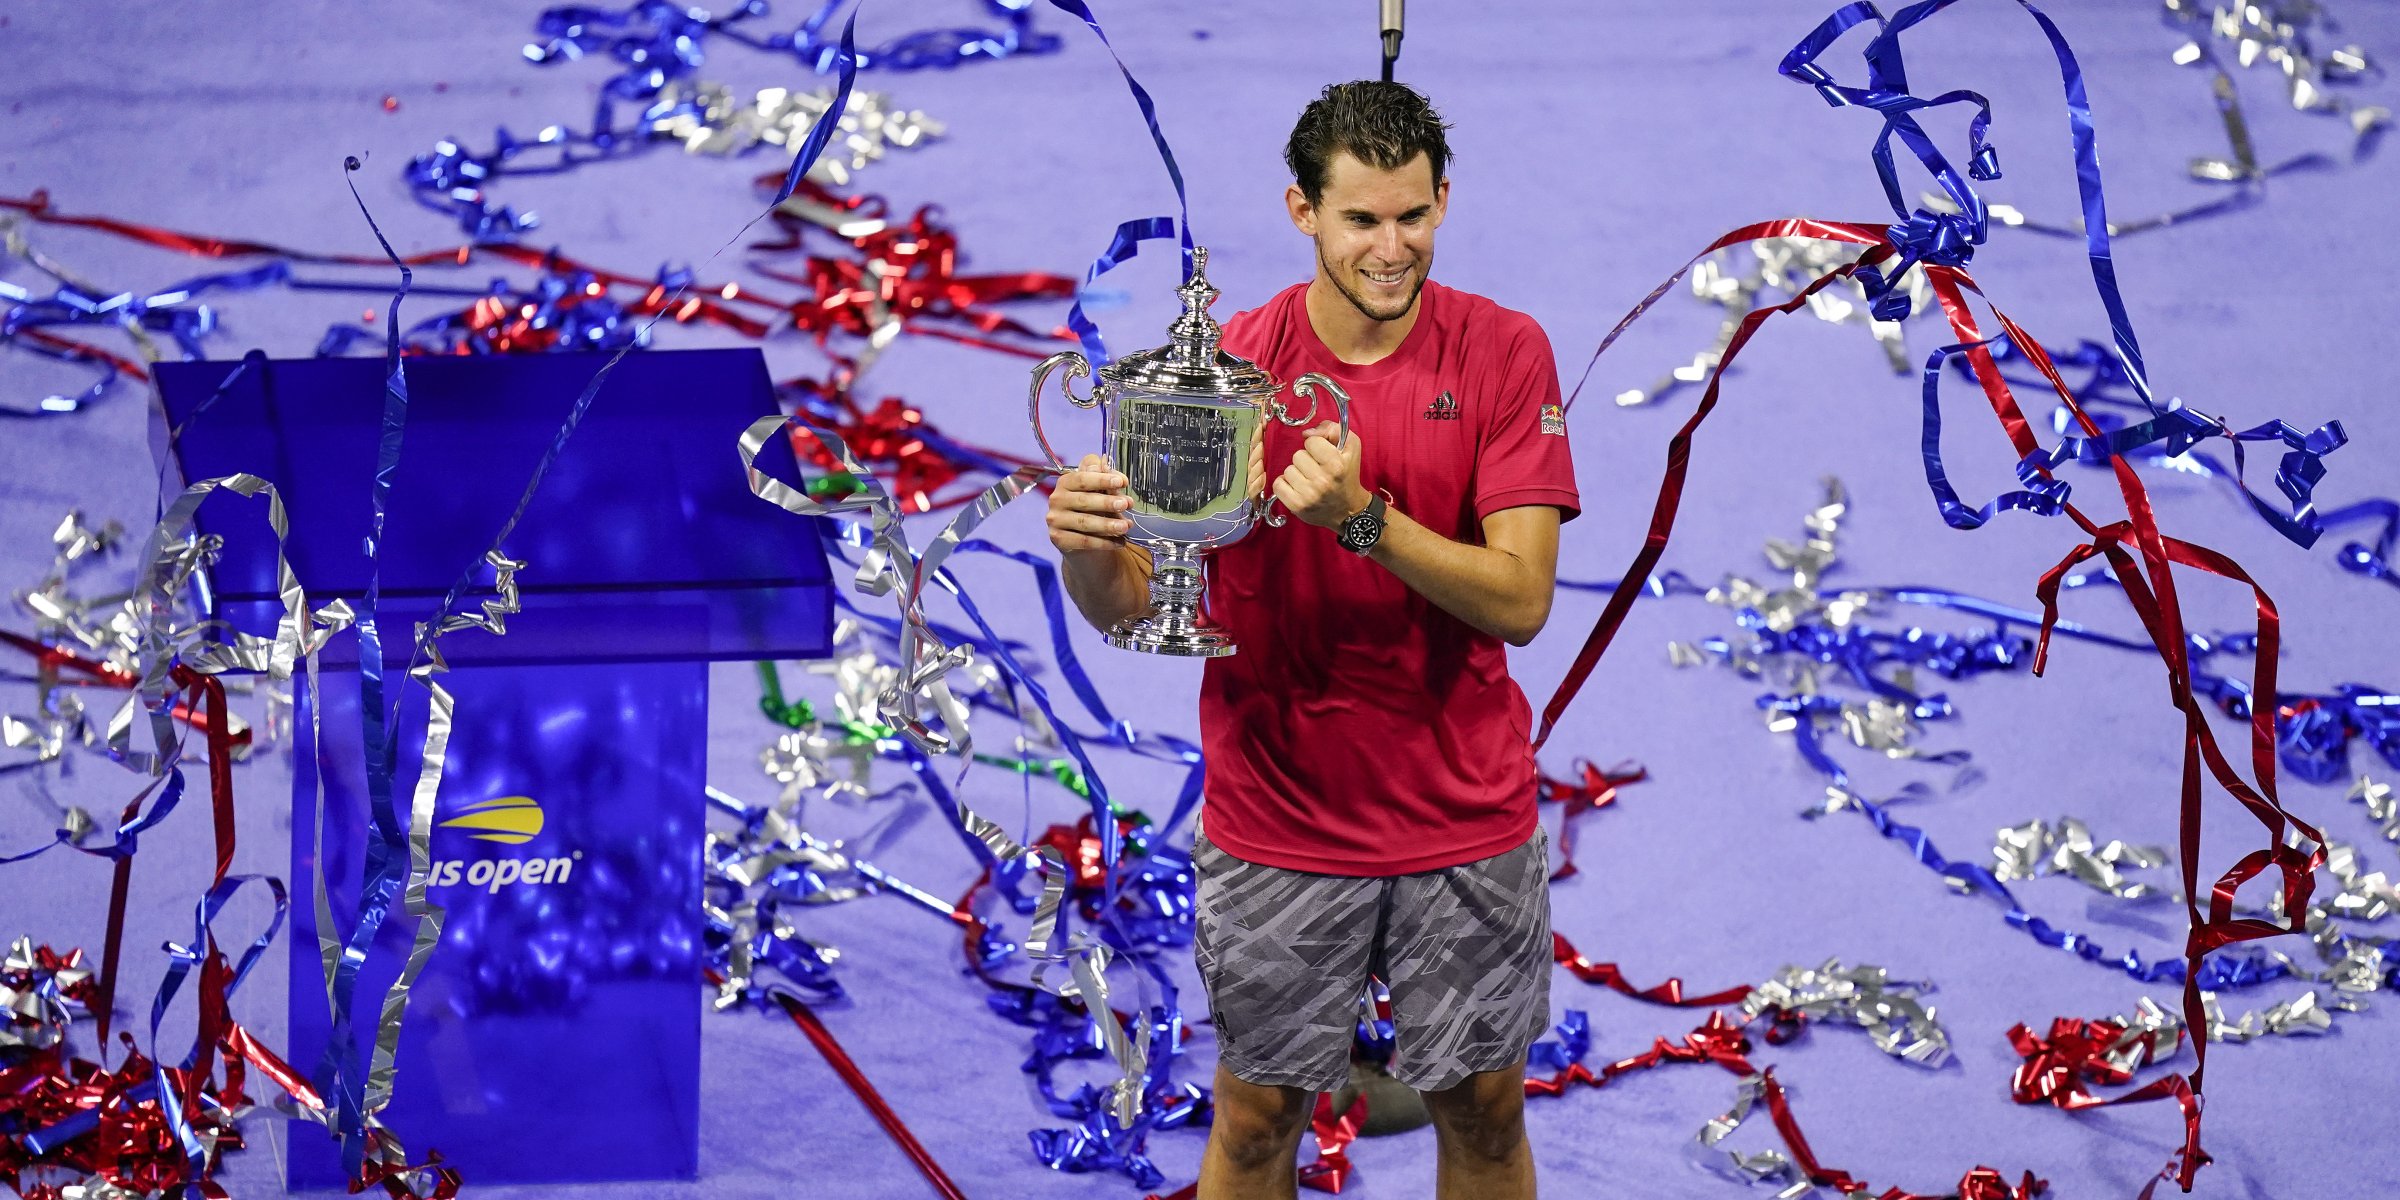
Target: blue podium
<point>554,1035</point>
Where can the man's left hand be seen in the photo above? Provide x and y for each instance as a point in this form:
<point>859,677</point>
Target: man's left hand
<point>1321,486</point>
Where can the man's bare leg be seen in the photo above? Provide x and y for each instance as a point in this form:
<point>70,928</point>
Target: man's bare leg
<point>1479,1148</point>
<point>1253,1141</point>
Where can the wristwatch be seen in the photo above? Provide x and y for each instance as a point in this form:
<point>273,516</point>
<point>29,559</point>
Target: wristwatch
<point>1364,528</point>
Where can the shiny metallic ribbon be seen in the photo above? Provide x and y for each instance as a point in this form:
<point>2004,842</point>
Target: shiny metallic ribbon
<point>1895,1019</point>
<point>2270,32</point>
<point>384,870</point>
<point>1720,1041</point>
<point>1940,244</point>
<point>1126,240</point>
<point>1775,265</point>
<point>2067,848</point>
<point>891,568</point>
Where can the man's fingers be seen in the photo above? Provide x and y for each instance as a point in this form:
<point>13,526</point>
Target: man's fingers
<point>1309,468</point>
<point>1092,524</point>
<point>1091,501</point>
<point>1089,479</point>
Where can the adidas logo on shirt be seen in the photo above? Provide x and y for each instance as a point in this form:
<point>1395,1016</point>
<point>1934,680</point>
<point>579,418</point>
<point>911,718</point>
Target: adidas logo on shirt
<point>1443,408</point>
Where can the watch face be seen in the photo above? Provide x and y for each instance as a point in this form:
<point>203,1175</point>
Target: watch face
<point>1360,529</point>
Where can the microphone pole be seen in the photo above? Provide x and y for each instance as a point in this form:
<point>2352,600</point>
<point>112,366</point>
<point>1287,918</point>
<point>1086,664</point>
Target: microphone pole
<point>1391,35</point>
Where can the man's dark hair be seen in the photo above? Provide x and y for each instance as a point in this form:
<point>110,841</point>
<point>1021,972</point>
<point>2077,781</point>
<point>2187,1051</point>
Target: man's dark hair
<point>1384,125</point>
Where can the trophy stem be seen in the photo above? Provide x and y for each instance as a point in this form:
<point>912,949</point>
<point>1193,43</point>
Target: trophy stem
<point>1173,624</point>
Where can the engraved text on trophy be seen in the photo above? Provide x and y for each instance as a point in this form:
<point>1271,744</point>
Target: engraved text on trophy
<point>1189,461</point>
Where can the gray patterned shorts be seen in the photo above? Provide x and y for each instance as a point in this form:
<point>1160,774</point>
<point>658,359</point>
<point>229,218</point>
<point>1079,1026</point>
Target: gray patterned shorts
<point>1286,954</point>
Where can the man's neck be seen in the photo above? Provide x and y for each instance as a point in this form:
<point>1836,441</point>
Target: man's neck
<point>1353,336</point>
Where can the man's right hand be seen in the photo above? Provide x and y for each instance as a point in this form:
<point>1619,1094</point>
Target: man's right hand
<point>1087,508</point>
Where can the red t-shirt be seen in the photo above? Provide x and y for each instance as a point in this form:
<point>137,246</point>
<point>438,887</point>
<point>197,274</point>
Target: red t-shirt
<point>1360,729</point>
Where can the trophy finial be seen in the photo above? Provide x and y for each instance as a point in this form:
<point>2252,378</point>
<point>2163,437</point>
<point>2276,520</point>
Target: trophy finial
<point>1195,333</point>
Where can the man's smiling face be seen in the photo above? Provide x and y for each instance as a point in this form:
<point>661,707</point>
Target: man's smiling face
<point>1374,231</point>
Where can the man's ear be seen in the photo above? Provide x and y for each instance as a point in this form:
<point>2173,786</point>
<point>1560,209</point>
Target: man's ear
<point>1441,200</point>
<point>1303,213</point>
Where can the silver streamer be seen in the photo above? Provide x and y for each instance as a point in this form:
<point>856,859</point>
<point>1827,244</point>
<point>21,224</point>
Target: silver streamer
<point>491,616</point>
<point>1889,1010</point>
<point>769,839</point>
<point>1887,727</point>
<point>2279,33</point>
<point>36,1018</point>
<point>920,695</point>
<point>2152,1035</point>
<point>2383,805</point>
<point>1771,1167</point>
<point>2035,849</point>
<point>149,631</point>
<point>708,118</point>
<point>1793,600</point>
<point>1777,267</point>
<point>2305,1015</point>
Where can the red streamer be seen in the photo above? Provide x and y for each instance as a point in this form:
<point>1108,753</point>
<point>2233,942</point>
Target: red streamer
<point>1334,1132</point>
<point>1597,790</point>
<point>2146,571</point>
<point>2060,1069</point>
<point>1606,975</point>
<point>1720,1041</point>
<point>129,1142</point>
<point>891,439</point>
<point>842,1065</point>
<point>906,269</point>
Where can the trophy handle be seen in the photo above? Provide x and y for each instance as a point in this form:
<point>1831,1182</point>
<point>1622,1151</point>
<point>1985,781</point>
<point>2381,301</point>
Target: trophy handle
<point>1307,385</point>
<point>1078,367</point>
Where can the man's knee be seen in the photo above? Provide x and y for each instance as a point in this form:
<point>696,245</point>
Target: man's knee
<point>1257,1125</point>
<point>1485,1122</point>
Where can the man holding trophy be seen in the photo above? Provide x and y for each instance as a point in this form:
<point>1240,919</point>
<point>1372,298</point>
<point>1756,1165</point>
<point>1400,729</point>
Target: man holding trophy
<point>1370,799</point>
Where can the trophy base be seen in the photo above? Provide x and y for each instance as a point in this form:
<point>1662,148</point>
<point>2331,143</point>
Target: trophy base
<point>1162,633</point>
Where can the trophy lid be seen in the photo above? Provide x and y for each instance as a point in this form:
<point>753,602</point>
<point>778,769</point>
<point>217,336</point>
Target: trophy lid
<point>1191,362</point>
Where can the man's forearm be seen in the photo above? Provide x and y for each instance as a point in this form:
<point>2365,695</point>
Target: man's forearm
<point>1493,590</point>
<point>1107,586</point>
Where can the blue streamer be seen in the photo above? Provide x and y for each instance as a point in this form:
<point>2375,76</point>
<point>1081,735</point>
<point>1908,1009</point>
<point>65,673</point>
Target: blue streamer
<point>662,43</point>
<point>1573,1044</point>
<point>386,857</point>
<point>2316,731</point>
<point>2373,561</point>
<point>568,309</point>
<point>1122,245</point>
<point>181,960</point>
<point>2168,437</point>
<point>170,310</point>
<point>129,828</point>
<point>1126,241</point>
<point>1949,238</point>
<point>2043,495</point>
<point>2251,968</point>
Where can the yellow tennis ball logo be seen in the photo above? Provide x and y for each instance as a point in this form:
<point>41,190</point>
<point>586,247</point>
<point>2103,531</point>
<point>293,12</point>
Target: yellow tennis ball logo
<point>511,819</point>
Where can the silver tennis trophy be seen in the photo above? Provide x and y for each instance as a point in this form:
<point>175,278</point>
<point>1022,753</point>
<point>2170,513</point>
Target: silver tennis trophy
<point>1180,422</point>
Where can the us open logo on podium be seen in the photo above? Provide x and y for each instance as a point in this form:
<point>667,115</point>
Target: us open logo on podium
<point>510,820</point>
